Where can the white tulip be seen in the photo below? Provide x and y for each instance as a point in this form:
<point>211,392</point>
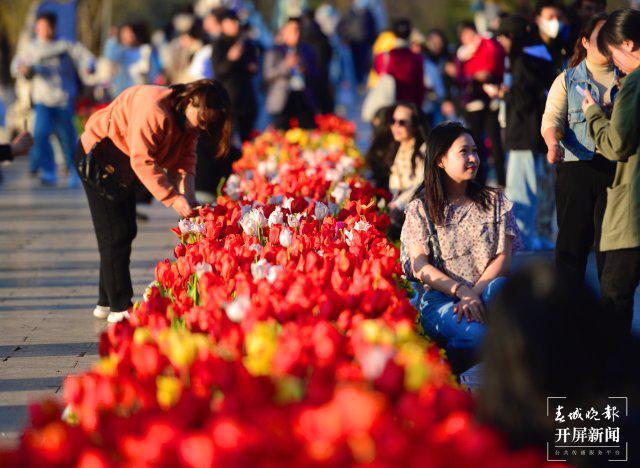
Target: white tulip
<point>373,362</point>
<point>258,217</point>
<point>276,217</point>
<point>293,220</point>
<point>286,237</point>
<point>361,226</point>
<point>249,225</point>
<point>273,273</point>
<point>234,181</point>
<point>348,237</point>
<point>185,226</point>
<point>237,310</point>
<point>202,268</point>
<point>260,269</point>
<point>341,192</point>
<point>332,175</point>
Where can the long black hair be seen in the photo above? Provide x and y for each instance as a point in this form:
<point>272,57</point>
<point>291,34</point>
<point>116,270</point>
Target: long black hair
<point>439,141</point>
<point>622,25</point>
<point>381,139</point>
<point>579,52</point>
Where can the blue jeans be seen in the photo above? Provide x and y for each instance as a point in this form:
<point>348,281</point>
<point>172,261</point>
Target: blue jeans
<point>441,324</point>
<point>523,169</point>
<point>49,120</point>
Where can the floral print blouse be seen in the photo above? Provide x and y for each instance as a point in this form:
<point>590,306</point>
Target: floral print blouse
<point>469,239</point>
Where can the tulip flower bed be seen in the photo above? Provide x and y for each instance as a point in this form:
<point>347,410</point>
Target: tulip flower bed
<point>281,333</point>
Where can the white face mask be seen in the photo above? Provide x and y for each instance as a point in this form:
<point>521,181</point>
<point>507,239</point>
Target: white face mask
<point>550,28</point>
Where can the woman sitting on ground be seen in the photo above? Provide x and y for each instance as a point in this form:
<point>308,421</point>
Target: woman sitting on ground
<point>457,239</point>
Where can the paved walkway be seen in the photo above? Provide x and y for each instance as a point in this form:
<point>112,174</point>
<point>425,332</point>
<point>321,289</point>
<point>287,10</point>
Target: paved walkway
<point>48,287</point>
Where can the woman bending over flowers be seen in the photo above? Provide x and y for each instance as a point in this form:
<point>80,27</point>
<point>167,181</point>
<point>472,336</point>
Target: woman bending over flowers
<point>457,239</point>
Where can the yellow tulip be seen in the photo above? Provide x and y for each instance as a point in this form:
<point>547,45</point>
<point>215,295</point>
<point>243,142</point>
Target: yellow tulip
<point>107,365</point>
<point>260,344</point>
<point>142,336</point>
<point>168,391</point>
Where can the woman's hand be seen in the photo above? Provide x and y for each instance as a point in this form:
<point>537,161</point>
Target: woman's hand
<point>588,101</point>
<point>491,90</point>
<point>235,51</point>
<point>182,206</point>
<point>470,305</point>
<point>555,153</point>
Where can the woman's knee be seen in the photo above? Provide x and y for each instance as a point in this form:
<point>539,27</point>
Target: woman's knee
<point>493,288</point>
<point>434,317</point>
<point>469,337</point>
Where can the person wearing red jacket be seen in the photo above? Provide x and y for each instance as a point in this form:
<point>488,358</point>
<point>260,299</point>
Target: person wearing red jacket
<point>481,61</point>
<point>404,65</point>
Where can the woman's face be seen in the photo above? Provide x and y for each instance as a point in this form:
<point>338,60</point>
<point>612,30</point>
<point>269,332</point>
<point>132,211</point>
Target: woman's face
<point>401,124</point>
<point>44,31</point>
<point>128,37</point>
<point>591,46</point>
<point>461,162</point>
<point>435,44</point>
<point>626,56</point>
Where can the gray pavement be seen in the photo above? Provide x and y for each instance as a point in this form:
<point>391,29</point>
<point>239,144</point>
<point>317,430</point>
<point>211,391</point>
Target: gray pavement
<point>48,287</point>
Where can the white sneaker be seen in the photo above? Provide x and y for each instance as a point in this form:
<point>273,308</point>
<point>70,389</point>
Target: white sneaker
<point>101,312</point>
<point>115,317</point>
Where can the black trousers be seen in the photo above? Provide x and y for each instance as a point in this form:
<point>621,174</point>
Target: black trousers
<point>484,124</point>
<point>115,227</point>
<point>618,283</point>
<point>297,107</point>
<point>581,197</point>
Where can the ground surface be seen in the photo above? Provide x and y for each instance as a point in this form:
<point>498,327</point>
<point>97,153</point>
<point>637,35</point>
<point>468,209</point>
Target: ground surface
<point>48,287</point>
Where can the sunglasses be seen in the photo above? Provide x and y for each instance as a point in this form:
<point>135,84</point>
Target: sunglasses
<point>401,122</point>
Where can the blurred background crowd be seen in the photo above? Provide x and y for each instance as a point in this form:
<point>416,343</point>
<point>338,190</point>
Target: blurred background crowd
<point>285,61</point>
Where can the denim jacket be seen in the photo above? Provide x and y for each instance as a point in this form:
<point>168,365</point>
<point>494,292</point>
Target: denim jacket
<point>577,142</point>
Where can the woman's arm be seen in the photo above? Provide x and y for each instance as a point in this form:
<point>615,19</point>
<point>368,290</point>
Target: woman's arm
<point>82,57</point>
<point>186,185</point>
<point>554,118</point>
<point>499,266</point>
<point>617,138</point>
<point>470,304</point>
<point>430,275</point>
